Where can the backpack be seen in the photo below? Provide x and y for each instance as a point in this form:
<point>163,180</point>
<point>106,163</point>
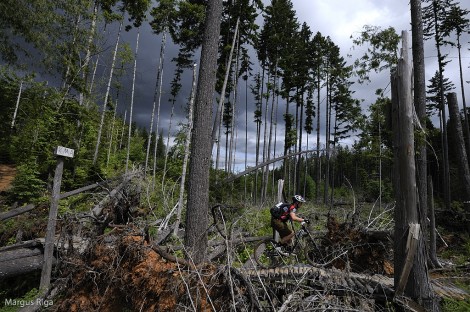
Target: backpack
<point>278,210</point>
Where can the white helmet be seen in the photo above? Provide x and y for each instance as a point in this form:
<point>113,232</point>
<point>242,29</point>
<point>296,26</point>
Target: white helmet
<point>298,198</point>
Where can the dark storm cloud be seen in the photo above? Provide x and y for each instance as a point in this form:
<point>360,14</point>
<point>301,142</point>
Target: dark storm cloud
<point>336,18</point>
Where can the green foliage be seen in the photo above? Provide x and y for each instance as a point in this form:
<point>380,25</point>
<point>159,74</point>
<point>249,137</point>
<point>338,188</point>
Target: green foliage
<point>371,190</point>
<point>452,305</point>
<point>458,254</point>
<point>27,185</point>
<point>382,50</point>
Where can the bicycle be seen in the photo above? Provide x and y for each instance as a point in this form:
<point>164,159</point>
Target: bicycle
<point>316,250</point>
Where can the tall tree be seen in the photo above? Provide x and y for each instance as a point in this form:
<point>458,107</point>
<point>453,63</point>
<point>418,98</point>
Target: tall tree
<point>276,39</point>
<point>457,22</point>
<point>132,100</point>
<point>108,90</point>
<point>411,276</point>
<point>136,11</point>
<point>160,24</point>
<point>417,38</point>
<point>434,15</point>
<point>319,46</point>
<point>457,133</point>
<point>198,191</point>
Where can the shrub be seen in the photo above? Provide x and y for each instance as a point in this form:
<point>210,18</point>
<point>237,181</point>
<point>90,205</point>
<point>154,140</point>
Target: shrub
<point>27,185</point>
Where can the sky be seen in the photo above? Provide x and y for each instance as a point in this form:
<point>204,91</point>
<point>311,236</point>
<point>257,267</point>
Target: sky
<point>339,19</point>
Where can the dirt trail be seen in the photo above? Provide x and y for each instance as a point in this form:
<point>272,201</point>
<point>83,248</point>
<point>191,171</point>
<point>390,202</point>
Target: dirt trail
<point>7,174</point>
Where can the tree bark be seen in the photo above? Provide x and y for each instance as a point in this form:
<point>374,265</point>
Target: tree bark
<point>51,225</point>
<point>464,102</point>
<point>417,285</point>
<point>132,101</point>
<point>21,261</point>
<point>17,105</point>
<point>432,226</point>
<point>157,83</point>
<point>160,82</point>
<point>456,127</point>
<point>15,212</point>
<point>419,80</point>
<point>198,190</point>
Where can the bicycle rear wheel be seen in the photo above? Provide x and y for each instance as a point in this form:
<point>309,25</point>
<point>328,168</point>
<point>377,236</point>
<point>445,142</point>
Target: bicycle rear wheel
<point>318,251</point>
<point>266,255</point>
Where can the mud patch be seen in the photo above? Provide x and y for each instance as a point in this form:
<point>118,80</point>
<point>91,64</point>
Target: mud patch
<point>7,175</point>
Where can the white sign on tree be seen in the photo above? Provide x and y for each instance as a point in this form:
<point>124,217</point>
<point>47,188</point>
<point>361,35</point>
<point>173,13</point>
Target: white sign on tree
<point>64,151</point>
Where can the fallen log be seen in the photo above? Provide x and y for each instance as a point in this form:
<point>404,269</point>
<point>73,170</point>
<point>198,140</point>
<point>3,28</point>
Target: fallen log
<point>21,261</point>
<point>114,195</point>
<point>82,189</point>
<point>15,212</point>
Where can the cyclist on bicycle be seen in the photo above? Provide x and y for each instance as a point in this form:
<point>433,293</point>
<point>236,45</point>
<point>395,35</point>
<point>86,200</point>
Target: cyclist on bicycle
<point>288,213</point>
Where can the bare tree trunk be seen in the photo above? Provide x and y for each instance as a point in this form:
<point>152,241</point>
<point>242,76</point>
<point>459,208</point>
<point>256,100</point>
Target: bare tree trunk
<point>419,81</point>
<point>432,227</point>
<point>465,115</point>
<point>218,115</point>
<point>258,131</point>
<point>88,49</point>
<point>157,83</point>
<point>318,160</point>
<point>105,102</point>
<point>265,142</point>
<point>201,142</point>
<point>186,154</point>
<point>456,127</point>
<point>51,226</point>
<point>17,105</point>
<point>246,134</point>
<point>234,128</point>
<point>160,82</point>
<point>327,142</point>
<point>411,274</point>
<point>168,144</point>
<point>112,133</point>
<point>276,107</point>
<point>132,101</point>
<point>123,128</point>
<point>445,147</point>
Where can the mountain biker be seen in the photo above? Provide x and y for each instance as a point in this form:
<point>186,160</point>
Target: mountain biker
<point>289,213</point>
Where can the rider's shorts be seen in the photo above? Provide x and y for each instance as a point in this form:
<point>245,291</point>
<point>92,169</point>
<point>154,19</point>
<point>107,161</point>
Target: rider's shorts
<point>281,227</point>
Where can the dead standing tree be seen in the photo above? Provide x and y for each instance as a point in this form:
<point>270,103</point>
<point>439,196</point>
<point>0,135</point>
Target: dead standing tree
<point>412,287</point>
<point>457,133</point>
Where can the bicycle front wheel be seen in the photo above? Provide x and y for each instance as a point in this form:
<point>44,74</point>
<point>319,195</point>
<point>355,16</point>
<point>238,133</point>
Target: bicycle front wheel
<point>266,255</point>
<point>317,251</point>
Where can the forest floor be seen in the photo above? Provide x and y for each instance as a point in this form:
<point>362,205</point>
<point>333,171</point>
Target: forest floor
<point>128,275</point>
<point>7,174</point>
<point>120,270</point>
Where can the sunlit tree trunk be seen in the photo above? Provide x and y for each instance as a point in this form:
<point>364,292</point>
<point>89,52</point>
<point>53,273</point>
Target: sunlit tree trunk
<point>132,100</point>
<point>218,115</point>
<point>186,154</point>
<point>105,102</point>
<point>112,134</point>
<point>158,83</point>
<point>18,98</point>
<point>264,170</point>
<point>168,143</point>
